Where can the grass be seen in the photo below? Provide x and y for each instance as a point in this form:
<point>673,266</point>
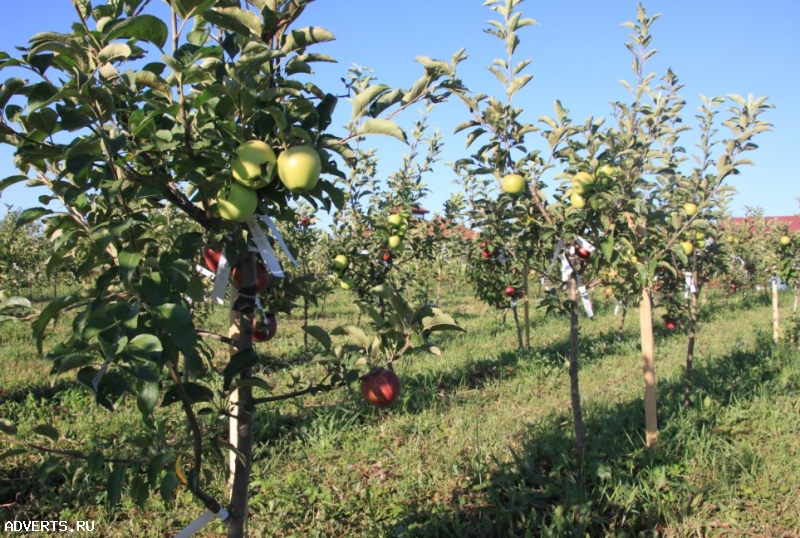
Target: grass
<point>481,443</point>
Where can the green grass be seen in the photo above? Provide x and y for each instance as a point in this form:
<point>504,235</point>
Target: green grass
<point>481,443</point>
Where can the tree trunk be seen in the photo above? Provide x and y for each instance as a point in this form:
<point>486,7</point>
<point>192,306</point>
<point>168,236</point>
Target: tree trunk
<point>776,321</point>
<point>687,385</point>
<point>648,367</point>
<point>516,324</point>
<point>621,328</point>
<point>526,307</point>
<point>575,391</point>
<point>241,421</point>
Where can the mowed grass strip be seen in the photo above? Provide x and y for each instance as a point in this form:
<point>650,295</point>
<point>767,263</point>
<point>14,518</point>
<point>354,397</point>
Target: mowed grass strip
<point>481,442</point>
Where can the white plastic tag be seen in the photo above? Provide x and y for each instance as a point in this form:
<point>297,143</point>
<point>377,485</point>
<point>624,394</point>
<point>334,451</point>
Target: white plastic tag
<point>203,271</point>
<point>690,286</point>
<point>204,519</point>
<point>221,280</point>
<point>616,308</point>
<point>566,268</point>
<point>587,302</point>
<point>585,244</point>
<point>264,248</point>
<point>277,234</point>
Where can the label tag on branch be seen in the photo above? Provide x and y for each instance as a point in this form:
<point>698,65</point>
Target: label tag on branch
<point>264,248</point>
<point>277,234</point>
<point>616,308</point>
<point>690,285</point>
<point>221,280</point>
<point>204,519</point>
<point>559,248</point>
<point>203,271</point>
<point>566,268</point>
<point>585,244</point>
<point>587,302</point>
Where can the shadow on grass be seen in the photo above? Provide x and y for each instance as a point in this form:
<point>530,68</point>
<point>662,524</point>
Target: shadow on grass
<point>619,488</point>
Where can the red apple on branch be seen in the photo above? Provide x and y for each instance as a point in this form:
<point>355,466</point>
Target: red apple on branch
<point>211,258</point>
<point>380,388</point>
<point>263,277</point>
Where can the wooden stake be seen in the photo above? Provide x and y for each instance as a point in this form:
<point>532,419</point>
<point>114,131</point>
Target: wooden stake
<point>648,367</point>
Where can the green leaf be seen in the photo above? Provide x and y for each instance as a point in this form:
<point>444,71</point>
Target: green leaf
<point>319,334</point>
<point>147,399</point>
<point>251,382</point>
<point>128,262</point>
<point>177,322</point>
<point>114,487</point>
<point>240,361</point>
<point>362,101</point>
<point>607,247</point>
<point>114,51</point>
<point>11,180</point>
<point>374,126</point>
<point>141,27</point>
<point>236,20</point>
<point>46,430</point>
<point>11,453</point>
<point>154,82</point>
<point>194,393</point>
<point>30,215</point>
<point>144,347</point>
<point>302,38</point>
<point>168,485</point>
<point>191,8</point>
<point>356,334</point>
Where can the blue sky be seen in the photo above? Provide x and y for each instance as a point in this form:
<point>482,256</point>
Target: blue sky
<point>715,46</point>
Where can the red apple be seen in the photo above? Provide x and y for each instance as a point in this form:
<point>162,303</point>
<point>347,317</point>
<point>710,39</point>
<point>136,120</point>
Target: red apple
<point>211,257</point>
<point>305,222</point>
<point>486,254</point>
<point>380,388</point>
<point>387,256</point>
<point>510,291</point>
<point>263,277</point>
<point>670,324</point>
<point>583,253</point>
<point>266,334</point>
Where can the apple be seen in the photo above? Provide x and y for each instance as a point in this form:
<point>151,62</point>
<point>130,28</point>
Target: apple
<point>699,235</point>
<point>577,200</point>
<point>265,335</point>
<point>405,213</point>
<point>607,171</point>
<point>596,203</point>
<point>387,256</point>
<point>340,262</point>
<point>513,184</point>
<point>581,182</point>
<point>263,277</point>
<point>211,257</point>
<point>670,324</point>
<point>486,254</point>
<point>380,388</point>
<point>239,204</point>
<point>305,222</point>
<point>395,220</point>
<point>299,168</point>
<point>396,243</point>
<point>346,283</point>
<point>701,244</point>
<point>785,240</point>
<point>246,167</point>
<point>690,208</point>
<point>583,253</point>
<point>688,247</point>
<point>510,291</point>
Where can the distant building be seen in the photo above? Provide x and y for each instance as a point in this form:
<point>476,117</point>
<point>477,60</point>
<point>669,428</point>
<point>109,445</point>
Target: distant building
<point>794,222</point>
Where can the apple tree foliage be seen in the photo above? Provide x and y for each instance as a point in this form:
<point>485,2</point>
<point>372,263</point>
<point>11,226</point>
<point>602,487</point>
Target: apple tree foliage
<point>127,120</point>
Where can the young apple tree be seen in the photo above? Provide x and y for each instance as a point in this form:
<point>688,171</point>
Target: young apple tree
<point>127,120</point>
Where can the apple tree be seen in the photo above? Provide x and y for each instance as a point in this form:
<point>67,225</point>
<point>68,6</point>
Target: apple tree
<point>127,120</point>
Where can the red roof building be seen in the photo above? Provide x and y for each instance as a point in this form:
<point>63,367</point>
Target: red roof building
<point>794,222</point>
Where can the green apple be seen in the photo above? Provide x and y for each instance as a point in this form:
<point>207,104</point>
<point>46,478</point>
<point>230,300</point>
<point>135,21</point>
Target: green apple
<point>595,202</point>
<point>346,283</point>
<point>396,243</point>
<point>581,182</point>
<point>577,200</point>
<point>395,220</point>
<point>690,208</point>
<point>701,243</point>
<point>785,240</point>
<point>607,171</point>
<point>247,166</point>
<point>299,168</point>
<point>688,247</point>
<point>405,213</point>
<point>239,205</point>
<point>341,262</point>
<point>513,184</point>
